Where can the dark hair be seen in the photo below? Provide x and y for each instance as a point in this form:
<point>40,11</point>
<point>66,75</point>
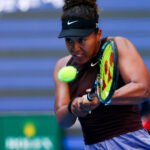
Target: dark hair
<point>86,9</point>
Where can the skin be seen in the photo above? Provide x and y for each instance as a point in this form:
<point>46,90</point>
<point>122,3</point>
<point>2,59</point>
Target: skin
<point>132,69</point>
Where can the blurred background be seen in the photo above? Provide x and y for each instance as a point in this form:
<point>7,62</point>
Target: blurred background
<point>29,49</point>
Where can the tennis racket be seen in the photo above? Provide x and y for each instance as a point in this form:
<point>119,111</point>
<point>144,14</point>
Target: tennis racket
<point>107,73</point>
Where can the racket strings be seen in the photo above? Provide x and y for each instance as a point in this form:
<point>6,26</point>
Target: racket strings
<point>106,72</point>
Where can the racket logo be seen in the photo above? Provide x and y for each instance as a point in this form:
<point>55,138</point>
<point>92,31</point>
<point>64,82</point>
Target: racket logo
<point>94,64</point>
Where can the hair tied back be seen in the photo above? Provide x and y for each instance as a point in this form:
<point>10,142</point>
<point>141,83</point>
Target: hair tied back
<point>72,3</point>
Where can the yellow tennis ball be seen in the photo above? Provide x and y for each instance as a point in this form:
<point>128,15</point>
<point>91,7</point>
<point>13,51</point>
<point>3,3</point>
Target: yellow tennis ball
<point>67,74</point>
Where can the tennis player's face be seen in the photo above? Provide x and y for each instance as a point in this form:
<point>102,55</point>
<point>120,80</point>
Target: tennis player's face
<point>83,48</point>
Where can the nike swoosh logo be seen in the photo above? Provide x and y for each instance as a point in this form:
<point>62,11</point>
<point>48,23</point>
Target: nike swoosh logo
<point>69,23</point>
<point>94,64</point>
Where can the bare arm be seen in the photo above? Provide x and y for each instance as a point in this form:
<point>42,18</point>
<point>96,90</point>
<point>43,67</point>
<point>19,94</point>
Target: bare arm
<point>62,98</point>
<point>80,106</point>
<point>134,73</point>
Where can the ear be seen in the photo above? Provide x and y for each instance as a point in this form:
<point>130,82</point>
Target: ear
<point>99,34</point>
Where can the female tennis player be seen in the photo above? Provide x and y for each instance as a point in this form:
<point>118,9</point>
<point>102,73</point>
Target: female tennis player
<point>115,126</point>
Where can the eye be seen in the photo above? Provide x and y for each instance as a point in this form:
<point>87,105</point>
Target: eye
<point>68,40</point>
<point>81,40</point>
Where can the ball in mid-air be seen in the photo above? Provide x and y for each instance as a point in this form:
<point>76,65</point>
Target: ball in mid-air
<point>67,74</point>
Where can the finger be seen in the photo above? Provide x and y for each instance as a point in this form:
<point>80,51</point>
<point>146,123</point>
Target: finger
<point>80,106</point>
<point>85,108</point>
<point>85,100</point>
<point>76,108</point>
<point>88,90</point>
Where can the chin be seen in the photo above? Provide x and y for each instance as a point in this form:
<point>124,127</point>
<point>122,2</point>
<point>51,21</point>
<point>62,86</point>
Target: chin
<point>81,61</point>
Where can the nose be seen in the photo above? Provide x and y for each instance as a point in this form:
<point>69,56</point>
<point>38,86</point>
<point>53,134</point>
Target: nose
<point>76,47</point>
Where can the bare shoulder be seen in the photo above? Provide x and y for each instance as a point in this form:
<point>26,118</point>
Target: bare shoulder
<point>123,44</point>
<point>125,48</point>
<point>119,40</point>
<point>131,64</point>
<point>62,62</point>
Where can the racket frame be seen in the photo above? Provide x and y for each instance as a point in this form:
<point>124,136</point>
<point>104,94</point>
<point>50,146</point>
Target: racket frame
<point>93,93</point>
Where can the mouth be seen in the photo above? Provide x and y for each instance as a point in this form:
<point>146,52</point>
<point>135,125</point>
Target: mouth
<point>78,56</point>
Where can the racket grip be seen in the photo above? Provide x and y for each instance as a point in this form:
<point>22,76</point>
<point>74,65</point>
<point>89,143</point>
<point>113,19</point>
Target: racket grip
<point>90,96</point>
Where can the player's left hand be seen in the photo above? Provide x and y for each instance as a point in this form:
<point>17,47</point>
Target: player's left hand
<point>89,105</point>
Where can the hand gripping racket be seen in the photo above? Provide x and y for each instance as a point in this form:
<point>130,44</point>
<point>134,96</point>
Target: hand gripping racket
<point>107,74</point>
